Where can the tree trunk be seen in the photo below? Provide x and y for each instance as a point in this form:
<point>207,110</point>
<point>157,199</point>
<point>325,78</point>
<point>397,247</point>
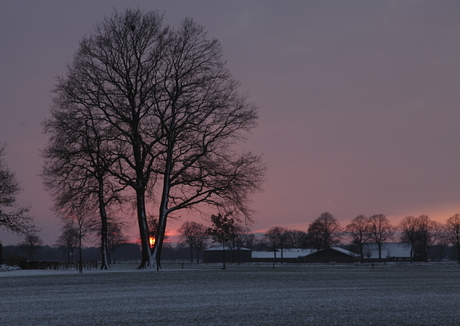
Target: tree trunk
<point>103,215</point>
<point>80,267</point>
<point>143,230</point>
<point>379,245</point>
<point>224,267</point>
<point>164,203</point>
<point>458,252</point>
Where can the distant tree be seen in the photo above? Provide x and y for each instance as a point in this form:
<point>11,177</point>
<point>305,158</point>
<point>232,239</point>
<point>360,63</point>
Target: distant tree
<point>242,237</point>
<point>360,232</point>
<point>326,231</point>
<point>429,233</point>
<point>381,230</point>
<point>12,217</point>
<point>223,226</point>
<point>68,240</point>
<point>82,223</point>
<point>31,243</point>
<point>194,236</point>
<point>276,238</point>
<point>452,232</point>
<point>296,239</point>
<point>315,238</point>
<point>409,227</point>
<point>115,238</point>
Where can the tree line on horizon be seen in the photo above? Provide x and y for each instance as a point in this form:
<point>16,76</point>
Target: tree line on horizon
<point>324,232</point>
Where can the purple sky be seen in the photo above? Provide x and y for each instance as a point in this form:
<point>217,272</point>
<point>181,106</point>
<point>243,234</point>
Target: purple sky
<point>359,100</point>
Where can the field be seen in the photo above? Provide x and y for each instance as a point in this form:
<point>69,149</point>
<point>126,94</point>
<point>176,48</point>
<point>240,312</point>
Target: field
<point>241,295</point>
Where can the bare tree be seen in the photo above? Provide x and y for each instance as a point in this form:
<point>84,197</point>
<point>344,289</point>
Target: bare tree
<point>173,113</point>
<point>315,238</point>
<point>77,162</point>
<point>202,117</point>
<point>194,236</point>
<point>296,239</point>
<point>115,238</point>
<point>223,226</point>
<point>360,231</point>
<point>409,227</point>
<point>68,240</point>
<point>116,75</point>
<point>325,231</point>
<point>276,238</point>
<point>12,217</point>
<point>381,230</point>
<point>429,232</point>
<point>452,232</point>
<point>31,243</point>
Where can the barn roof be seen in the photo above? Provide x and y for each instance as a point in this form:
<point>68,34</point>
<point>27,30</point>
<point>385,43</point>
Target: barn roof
<point>287,253</point>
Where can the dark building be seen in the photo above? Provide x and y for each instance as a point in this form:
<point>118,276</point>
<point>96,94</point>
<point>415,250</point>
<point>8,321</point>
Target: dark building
<point>334,254</point>
<point>216,255</point>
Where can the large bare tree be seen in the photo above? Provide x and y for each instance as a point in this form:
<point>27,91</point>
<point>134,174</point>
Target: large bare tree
<point>115,76</point>
<point>12,217</point>
<point>174,115</point>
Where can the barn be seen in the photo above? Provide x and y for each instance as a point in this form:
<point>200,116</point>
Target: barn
<point>333,254</point>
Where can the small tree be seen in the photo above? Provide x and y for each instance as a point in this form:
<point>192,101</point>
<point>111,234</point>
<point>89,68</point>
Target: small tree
<point>429,232</point>
<point>325,232</point>
<point>409,233</point>
<point>82,223</point>
<point>115,238</point>
<point>194,236</point>
<point>296,239</point>
<point>381,230</point>
<point>223,226</point>
<point>68,240</point>
<point>315,237</point>
<point>276,238</point>
<point>452,232</point>
<point>360,231</point>
<point>31,243</point>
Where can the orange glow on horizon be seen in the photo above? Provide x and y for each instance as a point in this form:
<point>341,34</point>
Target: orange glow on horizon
<point>152,241</point>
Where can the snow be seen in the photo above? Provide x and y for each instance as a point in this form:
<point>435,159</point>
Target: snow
<point>6,268</point>
<point>289,294</point>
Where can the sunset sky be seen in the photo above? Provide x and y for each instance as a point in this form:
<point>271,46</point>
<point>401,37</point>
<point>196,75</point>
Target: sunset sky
<point>359,100</point>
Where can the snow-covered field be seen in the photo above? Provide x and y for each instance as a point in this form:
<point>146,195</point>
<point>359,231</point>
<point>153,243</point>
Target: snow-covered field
<point>242,295</point>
